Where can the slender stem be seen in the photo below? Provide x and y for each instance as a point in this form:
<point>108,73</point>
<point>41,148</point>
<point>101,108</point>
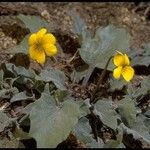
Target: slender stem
<point>42,67</point>
<point>100,80</point>
<point>54,59</point>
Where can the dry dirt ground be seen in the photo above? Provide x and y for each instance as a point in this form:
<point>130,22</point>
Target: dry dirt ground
<point>135,17</point>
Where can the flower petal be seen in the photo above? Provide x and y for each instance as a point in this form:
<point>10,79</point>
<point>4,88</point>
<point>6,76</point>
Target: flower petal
<point>49,38</point>
<point>119,59</point>
<point>126,60</point>
<point>127,73</point>
<point>37,55</point>
<point>117,72</point>
<point>41,33</point>
<point>32,39</point>
<point>50,49</point>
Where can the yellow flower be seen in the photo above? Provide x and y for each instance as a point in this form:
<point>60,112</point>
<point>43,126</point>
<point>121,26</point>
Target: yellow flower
<point>122,63</point>
<point>41,44</point>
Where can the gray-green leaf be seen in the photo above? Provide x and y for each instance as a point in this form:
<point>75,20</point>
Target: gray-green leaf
<point>141,57</point>
<point>96,51</point>
<point>50,125</point>
<point>114,144</point>
<point>7,93</point>
<point>20,96</point>
<point>4,121</point>
<point>127,111</point>
<point>1,75</point>
<point>34,23</point>
<point>22,47</point>
<point>83,133</point>
<point>107,113</point>
<point>29,73</point>
<point>117,84</point>
<point>54,75</point>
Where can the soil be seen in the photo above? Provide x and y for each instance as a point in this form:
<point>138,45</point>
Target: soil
<point>133,16</point>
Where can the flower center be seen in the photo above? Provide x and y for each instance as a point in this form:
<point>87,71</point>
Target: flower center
<point>124,68</point>
<point>39,46</point>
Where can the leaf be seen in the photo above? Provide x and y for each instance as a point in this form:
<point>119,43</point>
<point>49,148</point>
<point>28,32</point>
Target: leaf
<point>34,23</point>
<point>141,57</point>
<point>147,113</point>
<point>29,73</point>
<point>39,86</point>
<point>116,84</point>
<point>127,111</point>
<point>145,86</point>
<point>96,51</point>
<point>19,97</point>
<point>4,121</point>
<point>45,96</point>
<point>140,127</point>
<point>20,134</point>
<point>46,88</point>
<point>107,113</point>
<point>83,132</point>
<point>84,107</point>
<point>147,122</point>
<point>50,125</point>
<point>79,73</point>
<point>22,47</point>
<point>1,75</point>
<point>7,93</point>
<point>79,26</point>
<point>114,144</point>
<point>142,90</point>
<point>137,136</point>
<point>62,95</point>
<point>54,75</point>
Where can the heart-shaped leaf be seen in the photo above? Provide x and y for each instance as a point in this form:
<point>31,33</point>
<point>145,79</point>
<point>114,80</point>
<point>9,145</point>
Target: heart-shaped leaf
<point>106,112</point>
<point>54,75</point>
<point>83,133</point>
<point>96,51</point>
<point>141,57</point>
<point>20,96</point>
<point>34,23</point>
<point>127,110</point>
<point>50,125</point>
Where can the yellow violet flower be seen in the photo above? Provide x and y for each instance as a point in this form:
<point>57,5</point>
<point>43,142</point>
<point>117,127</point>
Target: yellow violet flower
<point>122,63</point>
<point>42,44</point>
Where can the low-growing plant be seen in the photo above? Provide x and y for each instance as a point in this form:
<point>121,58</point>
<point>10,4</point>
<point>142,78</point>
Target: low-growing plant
<point>43,107</point>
